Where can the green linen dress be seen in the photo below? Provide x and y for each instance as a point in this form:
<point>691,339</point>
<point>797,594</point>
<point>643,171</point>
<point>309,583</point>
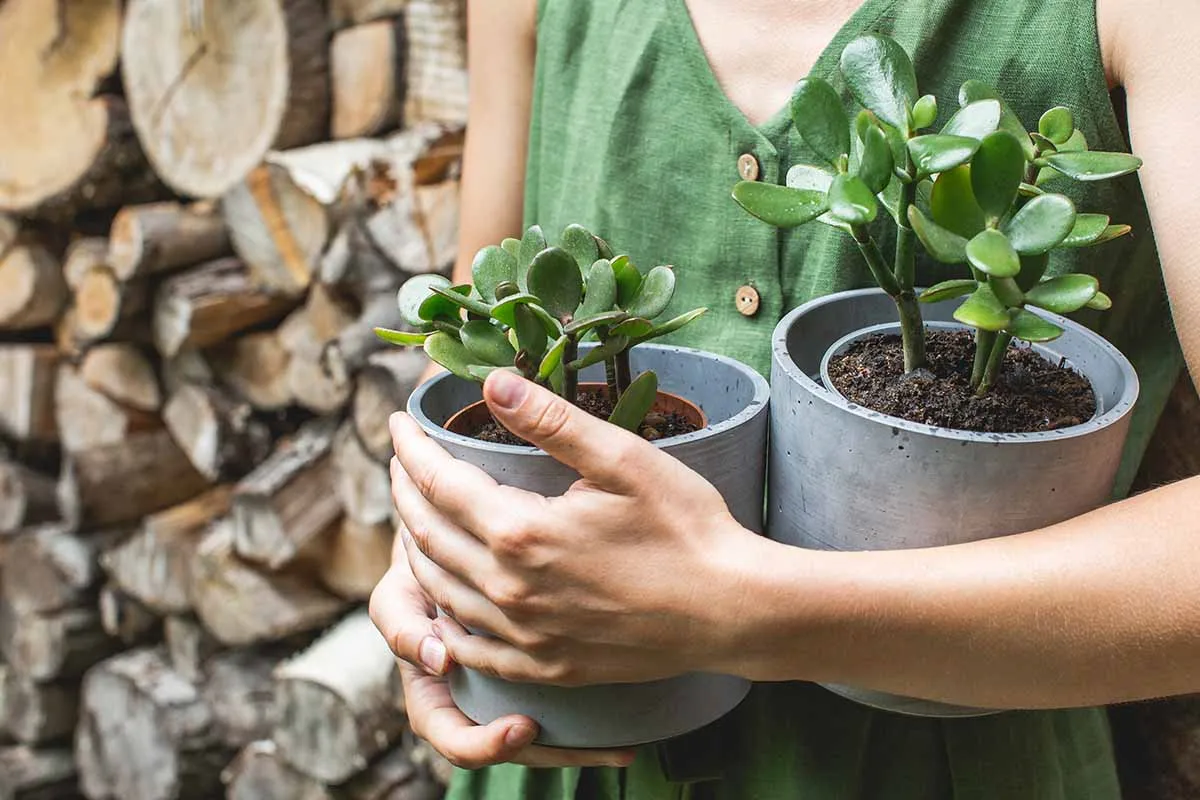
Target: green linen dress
<point>632,136</point>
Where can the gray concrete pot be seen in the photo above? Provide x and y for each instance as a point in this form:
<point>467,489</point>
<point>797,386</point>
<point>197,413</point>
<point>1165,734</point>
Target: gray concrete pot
<point>843,477</point>
<point>730,453</point>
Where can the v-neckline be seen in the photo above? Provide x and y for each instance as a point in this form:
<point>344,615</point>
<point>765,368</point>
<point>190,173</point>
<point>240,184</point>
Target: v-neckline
<point>862,18</point>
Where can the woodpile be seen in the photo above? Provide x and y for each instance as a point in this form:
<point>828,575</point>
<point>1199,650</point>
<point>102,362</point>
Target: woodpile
<point>206,207</point>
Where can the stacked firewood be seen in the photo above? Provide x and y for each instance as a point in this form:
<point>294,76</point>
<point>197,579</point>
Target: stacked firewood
<point>206,206</point>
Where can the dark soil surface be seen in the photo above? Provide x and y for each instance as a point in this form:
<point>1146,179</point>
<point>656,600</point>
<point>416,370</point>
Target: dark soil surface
<point>1030,394</point>
<point>655,426</point>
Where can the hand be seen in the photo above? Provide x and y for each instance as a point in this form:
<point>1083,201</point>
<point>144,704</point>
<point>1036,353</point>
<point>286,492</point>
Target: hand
<point>623,578</point>
<point>403,614</point>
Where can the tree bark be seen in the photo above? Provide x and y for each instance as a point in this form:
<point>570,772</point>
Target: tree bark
<point>238,688</point>
<point>383,388</point>
<point>27,497</point>
<point>156,238</point>
<point>90,419</point>
<point>56,645</point>
<point>218,433</point>
<point>122,373</point>
<point>368,78</point>
<point>105,308</point>
<point>210,303</point>
<point>258,773</point>
<point>125,619</point>
<point>344,13</point>
<point>179,62</point>
<point>190,646</point>
<point>52,569</point>
<point>32,289</point>
<point>37,713</point>
<point>255,367</point>
<point>27,380</point>
<point>437,61</point>
<point>305,334</point>
<point>82,256</point>
<point>358,557</point>
<point>339,703</point>
<point>44,774</point>
<point>363,483</point>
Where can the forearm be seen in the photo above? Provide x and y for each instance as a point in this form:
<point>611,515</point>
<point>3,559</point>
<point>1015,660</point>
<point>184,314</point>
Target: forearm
<point>1103,608</point>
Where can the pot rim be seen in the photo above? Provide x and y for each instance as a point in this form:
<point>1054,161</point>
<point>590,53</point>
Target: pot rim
<point>762,395</point>
<point>781,359</point>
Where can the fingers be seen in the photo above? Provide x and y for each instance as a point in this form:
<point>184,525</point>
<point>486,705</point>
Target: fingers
<point>404,616</point>
<point>499,658</point>
<point>433,716</point>
<point>596,449</point>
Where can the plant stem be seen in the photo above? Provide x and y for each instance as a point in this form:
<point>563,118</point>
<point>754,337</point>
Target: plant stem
<point>570,390</point>
<point>879,268</point>
<point>610,377</point>
<point>624,373</point>
<point>999,349</point>
<point>912,331</point>
<point>984,342</point>
<point>906,240</point>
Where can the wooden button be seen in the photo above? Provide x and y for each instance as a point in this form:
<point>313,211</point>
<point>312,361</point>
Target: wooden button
<point>748,167</point>
<point>747,301</point>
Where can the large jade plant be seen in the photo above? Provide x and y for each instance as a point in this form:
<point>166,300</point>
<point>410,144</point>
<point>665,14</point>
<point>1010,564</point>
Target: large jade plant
<point>972,193</point>
<point>530,305</point>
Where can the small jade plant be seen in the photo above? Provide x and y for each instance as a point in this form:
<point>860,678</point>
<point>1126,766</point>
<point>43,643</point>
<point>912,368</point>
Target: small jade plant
<point>962,191</point>
<point>530,305</point>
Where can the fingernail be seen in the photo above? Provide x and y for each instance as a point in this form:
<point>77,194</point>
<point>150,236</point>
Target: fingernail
<point>432,654</point>
<point>623,760</point>
<point>505,389</point>
<point>519,735</point>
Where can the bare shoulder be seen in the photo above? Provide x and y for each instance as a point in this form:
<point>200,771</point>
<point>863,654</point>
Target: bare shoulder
<point>1145,36</point>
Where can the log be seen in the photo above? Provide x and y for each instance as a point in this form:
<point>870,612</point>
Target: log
<point>157,238</point>
<point>154,564</point>
<point>145,733</point>
<point>105,308</point>
<point>419,230</point>
<point>339,703</point>
<point>358,556</point>
<point>289,503</point>
<point>179,62</point>
<point>367,65</point>
<point>258,773</point>
<point>210,303</point>
<point>122,482</point>
<point>217,432</point>
<point>124,618</point>
<point>281,216</point>
<point>363,483</point>
<point>51,569</point>
<point>67,148</point>
<point>344,13</point>
<point>90,419</point>
<point>83,255</point>
<point>392,776</point>
<point>241,605</point>
<point>304,335</point>
<point>255,366</point>
<point>27,380</point>
<point>238,688</point>
<point>189,646</point>
<point>122,373</point>
<point>382,388</point>
<point>188,366</point>
<point>27,497</point>
<point>32,289</point>
<point>57,645</point>
<point>43,774</point>
<point>437,61</point>
<point>37,713</point>
<point>431,762</point>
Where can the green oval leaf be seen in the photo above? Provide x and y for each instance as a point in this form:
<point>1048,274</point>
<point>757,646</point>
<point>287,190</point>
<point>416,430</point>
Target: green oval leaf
<point>629,280</point>
<point>1057,124</point>
<point>852,201</point>
<point>414,292</point>
<point>991,253</point>
<point>578,327</point>
<point>553,357</point>
<point>532,243</point>
<point>983,310</point>
<point>503,311</point>
<point>1087,229</point>
<point>1029,327</point>
<point>481,373</point>
<point>948,290</point>
<point>1064,294</point>
<point>1043,144</point>
<point>996,173</point>
<point>450,353</point>
<point>877,163</point>
<point>973,91</point>
<point>512,247</point>
<point>599,289</point>
<point>492,266</point>
<point>555,278</point>
<point>974,120</point>
<point>1007,291</point>
<point>937,152</point>
<point>671,325</point>
<point>880,74</point>
<point>581,244</point>
<point>601,352</point>
<point>486,343</point>
<point>806,177</point>
<point>402,338</point>
<point>635,402</point>
<point>634,328</point>
<point>1094,166</point>
<point>531,333</point>
<point>1113,232</point>
<point>952,203</point>
<point>654,295</point>
<point>1077,143</point>
<point>924,112</point>
<point>1101,302</point>
<point>779,205</point>
<point>944,245</point>
<point>455,296</point>
<point>1041,224</point>
<point>820,118</point>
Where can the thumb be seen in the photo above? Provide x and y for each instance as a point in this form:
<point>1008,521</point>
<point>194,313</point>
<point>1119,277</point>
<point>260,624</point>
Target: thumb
<point>596,449</point>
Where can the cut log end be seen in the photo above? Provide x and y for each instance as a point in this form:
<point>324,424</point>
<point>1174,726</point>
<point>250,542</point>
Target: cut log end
<point>122,373</point>
<point>160,237</point>
<point>367,68</point>
<point>32,289</point>
<point>219,434</point>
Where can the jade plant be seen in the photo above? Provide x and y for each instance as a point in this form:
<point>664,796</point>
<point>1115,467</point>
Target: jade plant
<point>530,305</point>
<point>969,192</point>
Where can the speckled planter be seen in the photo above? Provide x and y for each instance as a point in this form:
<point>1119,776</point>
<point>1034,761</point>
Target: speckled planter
<point>843,477</point>
<point>730,453</point>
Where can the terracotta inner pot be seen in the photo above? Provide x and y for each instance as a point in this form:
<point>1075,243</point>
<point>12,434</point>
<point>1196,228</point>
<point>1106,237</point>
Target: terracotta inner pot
<point>474,416</point>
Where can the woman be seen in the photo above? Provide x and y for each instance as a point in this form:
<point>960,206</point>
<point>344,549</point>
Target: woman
<point>635,118</point>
